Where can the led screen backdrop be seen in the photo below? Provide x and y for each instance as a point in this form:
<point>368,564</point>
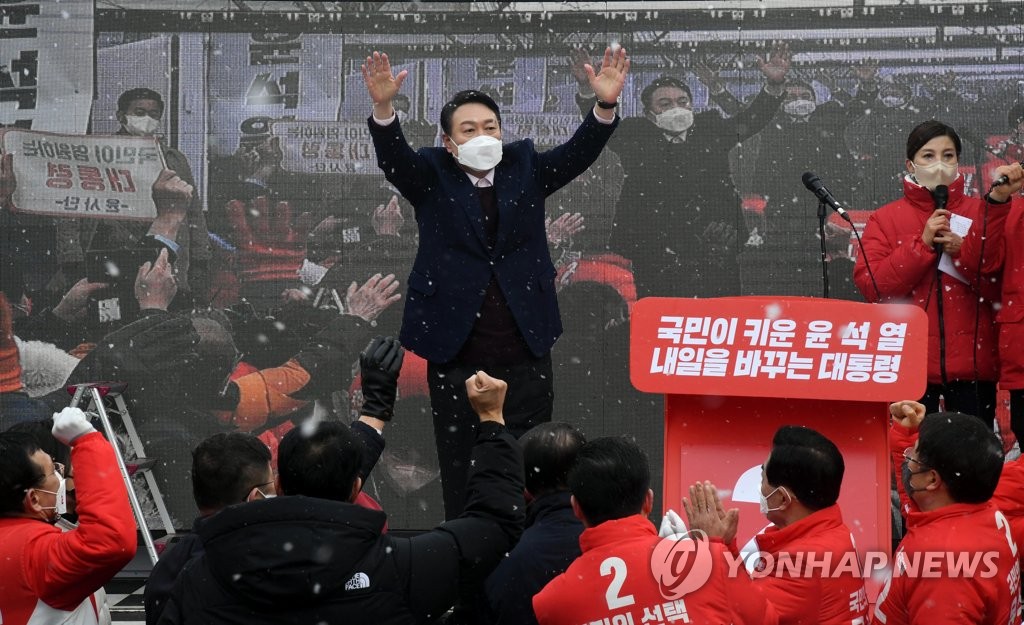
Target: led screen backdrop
<point>265,103</point>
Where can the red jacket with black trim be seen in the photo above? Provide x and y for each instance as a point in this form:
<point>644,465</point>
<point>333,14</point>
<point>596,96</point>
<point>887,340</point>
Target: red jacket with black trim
<point>818,545</point>
<point>49,576</point>
<point>905,268</point>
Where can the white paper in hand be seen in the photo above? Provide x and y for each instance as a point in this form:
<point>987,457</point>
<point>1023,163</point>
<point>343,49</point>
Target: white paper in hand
<point>960,226</point>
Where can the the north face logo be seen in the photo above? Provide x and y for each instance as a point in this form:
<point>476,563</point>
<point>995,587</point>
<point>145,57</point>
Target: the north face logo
<point>358,581</point>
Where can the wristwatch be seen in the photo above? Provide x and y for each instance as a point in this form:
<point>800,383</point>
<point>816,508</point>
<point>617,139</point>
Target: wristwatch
<point>601,104</point>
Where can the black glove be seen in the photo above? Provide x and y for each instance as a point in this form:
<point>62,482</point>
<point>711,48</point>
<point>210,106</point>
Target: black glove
<point>380,364</point>
<point>719,238</point>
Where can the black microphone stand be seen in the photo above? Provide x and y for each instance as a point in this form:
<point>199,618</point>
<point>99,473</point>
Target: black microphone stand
<point>822,208</point>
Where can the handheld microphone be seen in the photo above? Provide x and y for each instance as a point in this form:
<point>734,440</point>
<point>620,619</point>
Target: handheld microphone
<point>1004,179</point>
<point>941,197</point>
<point>815,186</point>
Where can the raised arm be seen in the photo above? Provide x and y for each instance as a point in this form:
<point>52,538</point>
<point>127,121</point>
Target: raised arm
<point>68,567</point>
<point>402,166</point>
<point>492,521</point>
<point>381,84</point>
<point>755,117</point>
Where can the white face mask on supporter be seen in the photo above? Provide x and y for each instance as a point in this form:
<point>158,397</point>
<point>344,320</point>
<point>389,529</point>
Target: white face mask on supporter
<point>481,153</point>
<point>799,108</point>
<point>931,176</point>
<point>674,120</point>
<point>893,101</point>
<point>141,125</point>
<point>61,505</point>
<point>764,502</point>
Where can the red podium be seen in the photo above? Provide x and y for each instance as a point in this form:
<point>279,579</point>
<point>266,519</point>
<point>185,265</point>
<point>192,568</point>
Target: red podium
<point>735,369</point>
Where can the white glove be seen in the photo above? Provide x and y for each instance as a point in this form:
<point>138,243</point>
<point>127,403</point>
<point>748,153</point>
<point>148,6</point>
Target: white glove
<point>673,526</point>
<point>69,424</point>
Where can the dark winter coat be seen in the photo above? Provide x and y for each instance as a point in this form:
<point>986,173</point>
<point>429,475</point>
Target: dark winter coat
<point>305,560</point>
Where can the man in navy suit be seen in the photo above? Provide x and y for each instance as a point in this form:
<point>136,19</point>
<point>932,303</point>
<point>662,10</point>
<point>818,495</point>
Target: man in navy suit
<point>481,293</point>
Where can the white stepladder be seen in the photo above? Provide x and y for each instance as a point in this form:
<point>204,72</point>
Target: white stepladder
<point>106,399</point>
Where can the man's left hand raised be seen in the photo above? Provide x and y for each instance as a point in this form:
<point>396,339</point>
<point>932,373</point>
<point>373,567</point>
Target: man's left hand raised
<point>607,84</point>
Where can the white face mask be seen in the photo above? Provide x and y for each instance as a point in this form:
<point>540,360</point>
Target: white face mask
<point>931,176</point>
<point>401,115</point>
<point>894,101</point>
<point>481,153</point>
<point>764,502</point>
<point>141,125</point>
<point>674,120</point>
<point>799,108</point>
<point>61,506</point>
<point>266,495</point>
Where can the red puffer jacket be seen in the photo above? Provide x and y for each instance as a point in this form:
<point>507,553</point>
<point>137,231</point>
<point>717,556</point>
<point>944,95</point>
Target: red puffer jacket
<point>904,269</point>
<point>1011,315</point>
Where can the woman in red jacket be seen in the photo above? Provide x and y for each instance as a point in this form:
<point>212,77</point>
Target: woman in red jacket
<point>930,250</point>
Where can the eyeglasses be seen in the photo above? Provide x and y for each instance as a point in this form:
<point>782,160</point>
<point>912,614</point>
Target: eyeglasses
<point>908,455</point>
<point>259,488</point>
<point>58,469</point>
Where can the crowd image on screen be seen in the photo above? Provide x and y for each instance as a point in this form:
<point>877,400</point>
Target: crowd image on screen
<point>389,284</point>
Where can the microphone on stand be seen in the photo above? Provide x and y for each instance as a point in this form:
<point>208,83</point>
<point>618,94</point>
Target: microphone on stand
<point>815,186</point>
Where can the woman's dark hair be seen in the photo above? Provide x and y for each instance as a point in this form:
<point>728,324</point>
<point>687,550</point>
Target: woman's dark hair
<point>927,131</point>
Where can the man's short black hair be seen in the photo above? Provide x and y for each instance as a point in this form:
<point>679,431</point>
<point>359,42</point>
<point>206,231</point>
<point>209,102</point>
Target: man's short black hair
<point>664,81</point>
<point>468,96</point>
<point>802,85</point>
<point>225,467</point>
<point>926,131</point>
<point>549,451</point>
<point>42,432</point>
<point>610,479</point>
<point>965,453</point>
<point>320,463</point>
<point>139,93</point>
<point>807,464</point>
<point>17,470</point>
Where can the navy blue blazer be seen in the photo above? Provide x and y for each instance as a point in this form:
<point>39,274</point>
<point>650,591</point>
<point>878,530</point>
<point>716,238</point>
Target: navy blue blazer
<point>453,263</point>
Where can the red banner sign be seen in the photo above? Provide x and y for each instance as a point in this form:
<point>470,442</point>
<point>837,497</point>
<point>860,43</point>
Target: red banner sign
<point>792,347</point>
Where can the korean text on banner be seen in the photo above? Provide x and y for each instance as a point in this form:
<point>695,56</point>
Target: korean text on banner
<point>107,177</point>
<point>794,347</point>
<point>326,147</point>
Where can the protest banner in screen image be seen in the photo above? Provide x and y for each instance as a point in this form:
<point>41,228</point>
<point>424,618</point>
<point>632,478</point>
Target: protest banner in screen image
<point>105,177</point>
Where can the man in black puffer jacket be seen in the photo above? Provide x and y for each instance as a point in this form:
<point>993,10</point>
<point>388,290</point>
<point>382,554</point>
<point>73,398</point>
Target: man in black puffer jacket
<point>312,556</point>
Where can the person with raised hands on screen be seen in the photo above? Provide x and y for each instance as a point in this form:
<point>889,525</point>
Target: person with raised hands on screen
<point>482,287</point>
